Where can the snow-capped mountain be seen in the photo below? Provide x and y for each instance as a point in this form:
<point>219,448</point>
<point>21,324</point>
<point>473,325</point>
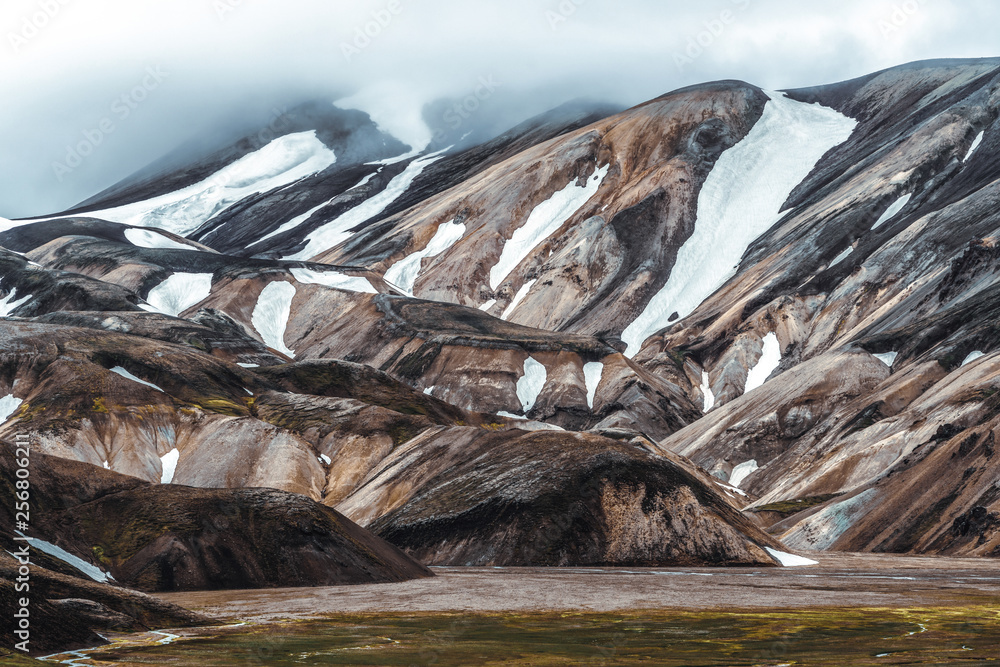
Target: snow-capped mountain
<point>770,312</point>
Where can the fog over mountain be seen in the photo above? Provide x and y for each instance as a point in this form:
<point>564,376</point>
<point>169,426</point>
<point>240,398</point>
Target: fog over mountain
<point>71,68</point>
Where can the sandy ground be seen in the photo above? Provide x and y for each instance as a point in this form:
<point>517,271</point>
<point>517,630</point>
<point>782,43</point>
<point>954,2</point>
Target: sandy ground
<point>854,580</point>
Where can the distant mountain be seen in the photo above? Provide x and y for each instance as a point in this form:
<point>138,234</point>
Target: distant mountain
<point>684,333</point>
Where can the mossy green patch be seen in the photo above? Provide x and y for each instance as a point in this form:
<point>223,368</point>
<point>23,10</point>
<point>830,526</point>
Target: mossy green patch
<point>822,637</point>
<point>790,507</point>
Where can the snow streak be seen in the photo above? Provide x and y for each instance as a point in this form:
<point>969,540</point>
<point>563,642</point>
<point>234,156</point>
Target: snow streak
<point>544,221</point>
<point>337,231</point>
<point>404,273</point>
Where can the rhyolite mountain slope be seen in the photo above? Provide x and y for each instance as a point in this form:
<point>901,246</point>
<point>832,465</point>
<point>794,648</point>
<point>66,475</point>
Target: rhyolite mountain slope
<point>796,292</point>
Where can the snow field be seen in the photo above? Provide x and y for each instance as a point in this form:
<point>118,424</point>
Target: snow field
<point>270,315</point>
<point>740,200</point>
<point>168,463</point>
<point>179,292</point>
<point>8,406</point>
<point>770,359</point>
<point>531,384</point>
<point>592,374</point>
<point>281,162</point>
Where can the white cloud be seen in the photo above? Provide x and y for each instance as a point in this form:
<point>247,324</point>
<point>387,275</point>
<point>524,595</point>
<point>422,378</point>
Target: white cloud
<point>65,77</point>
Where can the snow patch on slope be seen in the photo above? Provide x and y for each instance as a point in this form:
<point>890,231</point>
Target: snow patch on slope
<point>270,315</point>
<point>8,406</point>
<point>790,560</point>
<point>975,145</point>
<point>518,298</point>
<point>281,162</point>
<point>168,463</point>
<point>337,231</point>
<point>893,210</point>
<point>531,384</point>
<point>118,370</point>
<point>742,471</point>
<point>706,391</point>
<point>741,199</point>
<point>887,358</point>
<point>404,273</point>
<point>91,571</point>
<point>334,279</point>
<point>8,304</point>
<point>592,374</point>
<point>770,359</point>
<point>147,238</point>
<point>841,257</point>
<point>489,304</point>
<point>973,356</point>
<point>179,292</point>
<point>298,220</point>
<point>543,222</point>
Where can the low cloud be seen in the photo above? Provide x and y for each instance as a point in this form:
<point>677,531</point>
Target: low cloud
<point>229,63</point>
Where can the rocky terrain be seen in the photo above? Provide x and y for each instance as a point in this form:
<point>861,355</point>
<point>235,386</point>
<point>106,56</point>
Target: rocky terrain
<point>685,333</point>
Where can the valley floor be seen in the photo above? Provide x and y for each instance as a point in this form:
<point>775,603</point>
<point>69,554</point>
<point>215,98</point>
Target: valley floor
<point>851,609</point>
<point>840,580</point>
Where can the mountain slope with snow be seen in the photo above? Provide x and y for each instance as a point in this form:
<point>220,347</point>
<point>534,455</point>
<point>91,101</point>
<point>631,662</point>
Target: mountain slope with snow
<point>781,305</point>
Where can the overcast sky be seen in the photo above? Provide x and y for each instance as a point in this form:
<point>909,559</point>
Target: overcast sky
<point>187,67</point>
